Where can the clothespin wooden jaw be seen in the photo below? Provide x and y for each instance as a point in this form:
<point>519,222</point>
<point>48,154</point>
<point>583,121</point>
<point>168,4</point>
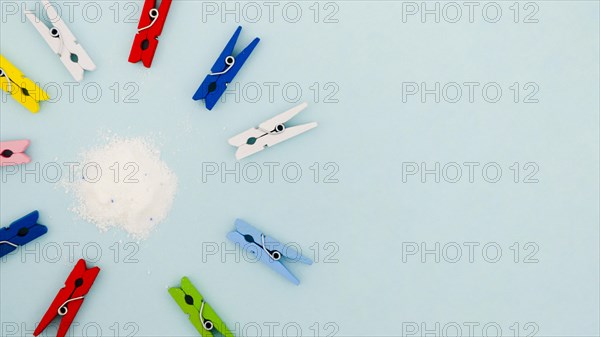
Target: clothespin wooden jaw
<point>201,314</point>
<point>21,88</point>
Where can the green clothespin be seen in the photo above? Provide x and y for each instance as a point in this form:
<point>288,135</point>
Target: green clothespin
<point>202,315</point>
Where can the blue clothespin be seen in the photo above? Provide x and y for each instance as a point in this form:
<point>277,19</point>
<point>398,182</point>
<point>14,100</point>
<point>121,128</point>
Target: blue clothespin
<point>266,249</point>
<point>21,232</point>
<point>223,71</point>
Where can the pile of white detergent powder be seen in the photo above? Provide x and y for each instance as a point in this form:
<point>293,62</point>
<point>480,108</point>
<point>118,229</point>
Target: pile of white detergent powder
<point>124,184</point>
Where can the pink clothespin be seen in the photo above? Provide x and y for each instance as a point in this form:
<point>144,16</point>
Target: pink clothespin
<point>13,152</point>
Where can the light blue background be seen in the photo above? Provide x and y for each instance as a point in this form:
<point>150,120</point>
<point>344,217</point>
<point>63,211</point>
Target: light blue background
<point>368,134</point>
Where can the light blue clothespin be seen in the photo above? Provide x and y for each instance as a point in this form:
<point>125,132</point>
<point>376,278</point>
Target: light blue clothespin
<point>266,249</point>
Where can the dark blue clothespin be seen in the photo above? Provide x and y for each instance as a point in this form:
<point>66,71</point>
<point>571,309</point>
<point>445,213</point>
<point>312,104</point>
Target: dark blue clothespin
<point>21,232</point>
<point>223,71</point>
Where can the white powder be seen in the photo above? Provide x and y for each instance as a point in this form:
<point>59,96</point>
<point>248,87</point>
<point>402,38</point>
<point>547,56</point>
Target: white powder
<point>124,184</point>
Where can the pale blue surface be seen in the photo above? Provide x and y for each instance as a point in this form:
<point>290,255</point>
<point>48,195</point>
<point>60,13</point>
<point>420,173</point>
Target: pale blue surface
<point>369,213</point>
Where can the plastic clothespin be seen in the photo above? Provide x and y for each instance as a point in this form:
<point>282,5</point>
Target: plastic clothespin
<point>62,42</point>
<point>21,232</point>
<point>269,133</point>
<point>22,89</point>
<point>69,299</point>
<point>268,250</point>
<point>223,71</point>
<point>13,152</point>
<point>150,27</point>
<point>201,314</point>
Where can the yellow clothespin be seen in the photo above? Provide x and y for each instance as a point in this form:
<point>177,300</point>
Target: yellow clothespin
<point>22,89</point>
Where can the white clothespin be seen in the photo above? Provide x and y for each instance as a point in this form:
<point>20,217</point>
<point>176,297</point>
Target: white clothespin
<point>269,133</point>
<point>62,42</point>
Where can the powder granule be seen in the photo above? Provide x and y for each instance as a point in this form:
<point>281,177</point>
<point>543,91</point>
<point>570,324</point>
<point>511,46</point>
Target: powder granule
<point>124,184</point>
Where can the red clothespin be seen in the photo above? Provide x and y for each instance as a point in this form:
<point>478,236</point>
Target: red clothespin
<point>149,29</point>
<point>69,299</point>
